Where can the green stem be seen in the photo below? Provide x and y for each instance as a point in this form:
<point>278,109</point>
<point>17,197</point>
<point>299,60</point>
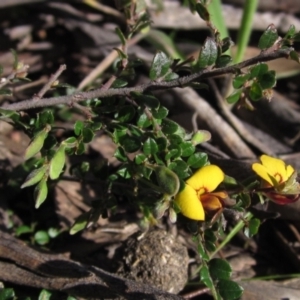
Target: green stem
<point>217,19</point>
<point>245,29</point>
<point>233,232</point>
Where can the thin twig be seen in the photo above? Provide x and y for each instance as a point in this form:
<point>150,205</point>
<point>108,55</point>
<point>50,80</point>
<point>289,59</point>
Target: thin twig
<point>106,62</point>
<point>150,86</point>
<point>50,82</point>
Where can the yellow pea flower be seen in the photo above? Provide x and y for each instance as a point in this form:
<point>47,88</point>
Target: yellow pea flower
<point>279,179</point>
<point>197,196</point>
<point>273,170</point>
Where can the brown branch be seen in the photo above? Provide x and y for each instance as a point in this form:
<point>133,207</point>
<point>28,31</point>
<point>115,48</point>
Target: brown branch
<point>152,85</point>
<point>21,264</point>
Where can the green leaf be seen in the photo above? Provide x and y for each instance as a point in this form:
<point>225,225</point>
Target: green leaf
<point>235,96</point>
<point>147,100</point>
<point>210,246</point>
<point>291,32</point>
<point>23,230</point>
<point>9,114</point>
<point>70,141</point>
<point>229,290</point>
<point>175,139</point>
<point>5,92</point>
<point>119,83</point>
<point>208,53</point>
<point>53,232</point>
<point>167,180</point>
<point>7,294</point>
<point>16,61</point>
<point>42,238</point>
<point>161,113</point>
<point>120,154</point>
<point>124,172</point>
<point>173,153</point>
<point>80,223</point>
<point>78,127</point>
<point>219,269</point>
<point>180,168</point>
<point>210,235</point>
<point>44,295</point>
<point>161,143</point>
<point>197,160</point>
<point>255,92</point>
<point>121,36</point>
<point>87,135</point>
<point>205,277</point>
<point>150,147</point>
<point>96,126</point>
<point>121,54</point>
<point>45,117</point>
<point>202,12</point>
<point>160,65</point>
<point>171,76</point>
<point>294,56</point>
<point>296,37</point>
<point>125,114</point>
<point>201,136</point>
<point>168,126</point>
<point>143,121</point>
<point>267,80</point>
<point>130,143</point>
<point>118,133</point>
<point>223,60</point>
<point>240,80</point>
<point>268,38</point>
<point>57,162</point>
<point>226,44</point>
<point>140,158</point>
<point>187,148</point>
<point>37,143</point>
<point>80,148</point>
<point>252,228</point>
<point>40,192</point>
<point>34,177</point>
<point>258,70</point>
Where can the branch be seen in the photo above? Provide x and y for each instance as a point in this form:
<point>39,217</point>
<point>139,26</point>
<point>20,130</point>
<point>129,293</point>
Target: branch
<point>150,86</point>
<point>21,264</point>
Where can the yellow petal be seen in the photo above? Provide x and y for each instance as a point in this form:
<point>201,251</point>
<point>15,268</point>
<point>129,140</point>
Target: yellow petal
<point>211,202</point>
<point>208,177</point>
<point>262,172</point>
<point>189,204</point>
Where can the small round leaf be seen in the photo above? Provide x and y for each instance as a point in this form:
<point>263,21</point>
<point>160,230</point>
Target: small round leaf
<point>150,147</point>
<point>88,135</point>
<point>219,269</point>
<point>41,237</point>
<point>229,290</point>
